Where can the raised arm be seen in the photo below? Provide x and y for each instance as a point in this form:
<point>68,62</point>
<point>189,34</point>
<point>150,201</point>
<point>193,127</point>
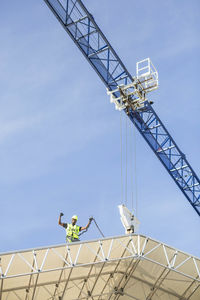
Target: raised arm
<point>88,224</point>
<point>59,220</point>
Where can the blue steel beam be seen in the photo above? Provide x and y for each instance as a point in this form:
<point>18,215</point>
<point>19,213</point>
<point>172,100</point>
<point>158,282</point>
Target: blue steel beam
<point>167,151</point>
<point>82,28</point>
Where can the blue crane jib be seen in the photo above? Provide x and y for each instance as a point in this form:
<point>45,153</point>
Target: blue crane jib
<point>127,92</point>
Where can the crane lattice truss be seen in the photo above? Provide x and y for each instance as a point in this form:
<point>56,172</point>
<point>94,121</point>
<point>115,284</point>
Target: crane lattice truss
<point>126,267</point>
<point>82,28</point>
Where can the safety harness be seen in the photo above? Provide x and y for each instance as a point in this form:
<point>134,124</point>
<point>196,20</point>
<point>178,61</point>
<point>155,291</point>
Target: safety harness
<point>72,233</point>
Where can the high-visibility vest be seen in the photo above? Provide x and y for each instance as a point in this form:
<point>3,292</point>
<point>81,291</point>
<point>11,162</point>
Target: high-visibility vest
<point>72,231</point>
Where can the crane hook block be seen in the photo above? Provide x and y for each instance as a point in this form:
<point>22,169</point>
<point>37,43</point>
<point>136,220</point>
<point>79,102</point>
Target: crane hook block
<point>129,221</point>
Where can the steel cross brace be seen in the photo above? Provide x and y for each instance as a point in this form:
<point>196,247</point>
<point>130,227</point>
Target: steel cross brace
<point>86,34</point>
<point>167,151</point>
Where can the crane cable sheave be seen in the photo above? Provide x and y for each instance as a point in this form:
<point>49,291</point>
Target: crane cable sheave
<point>133,95</point>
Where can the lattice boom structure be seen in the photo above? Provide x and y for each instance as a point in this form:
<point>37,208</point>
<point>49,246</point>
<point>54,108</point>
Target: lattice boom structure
<point>128,92</point>
<point>125,267</point>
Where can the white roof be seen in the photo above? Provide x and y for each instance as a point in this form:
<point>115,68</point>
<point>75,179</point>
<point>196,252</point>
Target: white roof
<point>126,267</point>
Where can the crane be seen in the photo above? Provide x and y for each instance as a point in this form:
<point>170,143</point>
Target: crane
<point>128,93</point>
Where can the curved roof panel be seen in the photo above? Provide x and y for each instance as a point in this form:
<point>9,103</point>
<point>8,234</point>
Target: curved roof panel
<point>126,267</point>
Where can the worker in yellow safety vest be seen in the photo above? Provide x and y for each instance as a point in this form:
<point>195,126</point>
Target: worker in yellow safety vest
<point>73,230</point>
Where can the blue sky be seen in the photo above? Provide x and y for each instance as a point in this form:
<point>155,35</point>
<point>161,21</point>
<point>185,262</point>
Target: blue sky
<point>60,136</point>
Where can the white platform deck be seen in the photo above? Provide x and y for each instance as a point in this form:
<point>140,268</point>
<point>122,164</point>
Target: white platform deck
<point>126,267</point>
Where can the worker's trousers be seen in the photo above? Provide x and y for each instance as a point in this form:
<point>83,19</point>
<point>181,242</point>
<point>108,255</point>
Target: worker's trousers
<point>70,239</point>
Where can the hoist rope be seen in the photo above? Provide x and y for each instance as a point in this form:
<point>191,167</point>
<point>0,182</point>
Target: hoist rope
<point>131,166</point>
<point>121,150</point>
<point>135,171</point>
<point>128,155</point>
<point>126,178</point>
<point>98,228</point>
